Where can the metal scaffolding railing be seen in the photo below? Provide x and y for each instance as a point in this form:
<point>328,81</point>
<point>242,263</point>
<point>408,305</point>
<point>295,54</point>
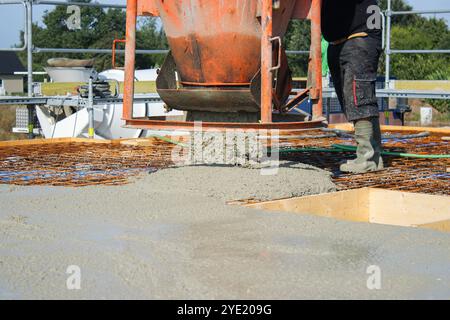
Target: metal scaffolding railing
<point>28,34</point>
<point>328,92</point>
<point>31,49</point>
<point>388,29</point>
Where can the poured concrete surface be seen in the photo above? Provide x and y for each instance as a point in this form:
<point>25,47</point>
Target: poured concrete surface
<point>235,183</point>
<point>167,237</point>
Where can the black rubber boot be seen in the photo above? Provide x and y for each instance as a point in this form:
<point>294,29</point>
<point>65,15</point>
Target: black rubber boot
<point>368,152</point>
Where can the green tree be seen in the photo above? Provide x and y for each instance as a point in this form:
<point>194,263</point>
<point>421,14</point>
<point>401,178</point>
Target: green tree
<point>150,36</point>
<point>298,38</point>
<point>400,5</point>
<point>408,32</point>
<point>416,32</point>
<point>99,27</point>
<point>442,106</point>
<point>424,34</point>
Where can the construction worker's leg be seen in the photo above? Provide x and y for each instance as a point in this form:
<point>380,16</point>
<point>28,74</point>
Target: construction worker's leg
<point>368,154</point>
<point>359,60</point>
<point>337,74</point>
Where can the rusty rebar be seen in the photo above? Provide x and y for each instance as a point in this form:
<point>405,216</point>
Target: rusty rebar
<point>84,164</point>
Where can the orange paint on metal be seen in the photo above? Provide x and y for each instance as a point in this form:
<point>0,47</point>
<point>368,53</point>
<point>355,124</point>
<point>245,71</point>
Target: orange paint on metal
<point>215,84</point>
<point>227,58</point>
<point>266,61</point>
<point>147,8</point>
<point>130,58</point>
<point>114,52</point>
<point>302,10</point>
<point>226,43</point>
<point>213,41</point>
<point>315,69</point>
<point>223,126</point>
<point>282,17</point>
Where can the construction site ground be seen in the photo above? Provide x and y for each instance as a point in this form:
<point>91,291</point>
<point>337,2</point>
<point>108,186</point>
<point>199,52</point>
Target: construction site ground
<point>138,229</point>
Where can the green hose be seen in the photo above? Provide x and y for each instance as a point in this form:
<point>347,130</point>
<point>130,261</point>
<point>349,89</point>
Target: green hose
<point>397,154</point>
<point>292,150</point>
<point>170,140</point>
<point>335,148</point>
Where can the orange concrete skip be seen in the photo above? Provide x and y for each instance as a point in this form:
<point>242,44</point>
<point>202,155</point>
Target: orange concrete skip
<point>228,42</point>
<point>302,9</point>
<point>215,41</point>
<point>209,59</point>
<point>147,8</point>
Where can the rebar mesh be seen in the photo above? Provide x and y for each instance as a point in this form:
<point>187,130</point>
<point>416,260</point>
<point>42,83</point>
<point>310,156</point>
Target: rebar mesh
<point>83,164</point>
<point>80,164</point>
<point>428,176</point>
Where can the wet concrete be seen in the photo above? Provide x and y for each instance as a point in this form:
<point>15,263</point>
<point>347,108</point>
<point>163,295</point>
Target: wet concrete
<point>170,238</point>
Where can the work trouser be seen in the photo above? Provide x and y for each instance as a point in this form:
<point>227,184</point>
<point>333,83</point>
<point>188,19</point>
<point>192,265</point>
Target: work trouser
<point>353,67</point>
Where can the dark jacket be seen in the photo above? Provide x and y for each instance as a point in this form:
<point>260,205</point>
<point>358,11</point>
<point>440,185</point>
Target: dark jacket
<point>341,18</point>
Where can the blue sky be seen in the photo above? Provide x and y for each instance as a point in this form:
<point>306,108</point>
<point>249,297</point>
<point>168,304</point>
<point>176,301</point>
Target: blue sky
<point>11,17</point>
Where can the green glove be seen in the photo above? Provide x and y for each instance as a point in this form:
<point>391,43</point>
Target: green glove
<point>325,69</point>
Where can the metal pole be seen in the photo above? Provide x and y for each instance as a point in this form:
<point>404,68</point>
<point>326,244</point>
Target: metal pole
<point>316,60</point>
<point>435,51</point>
<point>266,61</point>
<point>29,35</point>
<point>120,51</point>
<point>81,4</point>
<point>297,52</point>
<point>101,51</point>
<point>328,110</point>
<point>383,34</point>
<point>91,131</point>
<point>11,1</point>
<point>30,46</point>
<point>434,11</point>
<point>130,59</point>
<point>388,44</point>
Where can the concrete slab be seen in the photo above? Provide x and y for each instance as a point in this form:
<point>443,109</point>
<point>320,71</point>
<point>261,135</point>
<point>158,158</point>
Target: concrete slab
<point>168,239</point>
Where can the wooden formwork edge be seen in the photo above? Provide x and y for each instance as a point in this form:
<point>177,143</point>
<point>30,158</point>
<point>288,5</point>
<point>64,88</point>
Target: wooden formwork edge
<point>349,127</point>
<point>371,205</point>
<point>126,141</point>
<point>13,143</point>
